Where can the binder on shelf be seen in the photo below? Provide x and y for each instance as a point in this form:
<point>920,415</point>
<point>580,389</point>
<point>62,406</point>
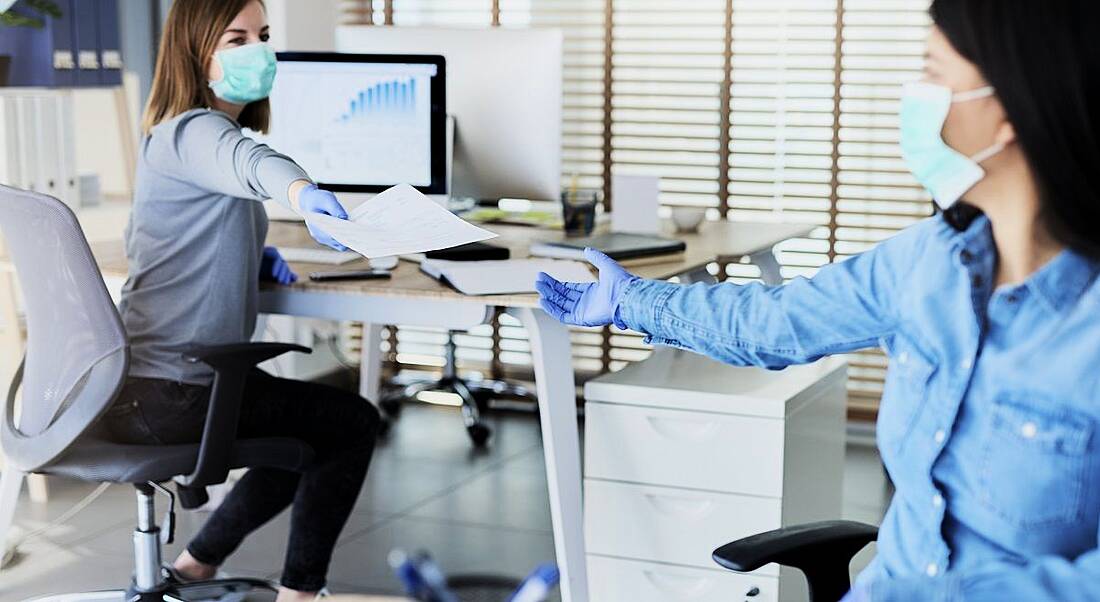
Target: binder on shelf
<point>9,143</point>
<point>47,159</point>
<point>110,58</point>
<point>38,151</point>
<point>56,150</point>
<point>28,142</point>
<point>42,57</point>
<point>63,58</point>
<point>85,16</point>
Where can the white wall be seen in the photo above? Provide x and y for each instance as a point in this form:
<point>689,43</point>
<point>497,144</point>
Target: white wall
<point>99,131</point>
<point>303,25</point>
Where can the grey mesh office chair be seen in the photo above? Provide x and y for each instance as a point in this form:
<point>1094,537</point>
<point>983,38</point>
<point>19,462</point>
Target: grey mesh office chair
<point>75,365</point>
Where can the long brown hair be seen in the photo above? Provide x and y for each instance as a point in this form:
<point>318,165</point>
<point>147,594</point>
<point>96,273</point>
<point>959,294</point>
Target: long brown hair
<point>187,46</point>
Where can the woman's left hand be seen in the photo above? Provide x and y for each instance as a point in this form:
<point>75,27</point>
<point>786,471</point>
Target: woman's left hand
<point>585,303</point>
<point>273,268</point>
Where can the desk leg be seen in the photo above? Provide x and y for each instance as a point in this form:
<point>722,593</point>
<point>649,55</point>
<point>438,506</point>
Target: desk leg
<point>553,360</point>
<point>769,267</point>
<point>11,481</point>
<point>370,363</point>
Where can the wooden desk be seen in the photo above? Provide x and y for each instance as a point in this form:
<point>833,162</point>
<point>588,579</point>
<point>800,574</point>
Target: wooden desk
<point>716,241</point>
<point>411,298</point>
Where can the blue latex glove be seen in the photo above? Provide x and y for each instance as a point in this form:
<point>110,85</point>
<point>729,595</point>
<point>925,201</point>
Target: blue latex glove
<point>589,303</point>
<point>273,268</point>
<point>314,200</point>
<point>857,594</point>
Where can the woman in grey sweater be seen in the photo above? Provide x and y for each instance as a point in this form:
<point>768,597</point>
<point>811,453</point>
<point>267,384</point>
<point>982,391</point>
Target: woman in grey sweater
<point>195,246</point>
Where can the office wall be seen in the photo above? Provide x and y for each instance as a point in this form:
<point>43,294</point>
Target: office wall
<point>298,25</point>
<point>99,135</point>
<point>138,27</point>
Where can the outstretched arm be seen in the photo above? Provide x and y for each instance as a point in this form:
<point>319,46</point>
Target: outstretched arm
<point>846,306</point>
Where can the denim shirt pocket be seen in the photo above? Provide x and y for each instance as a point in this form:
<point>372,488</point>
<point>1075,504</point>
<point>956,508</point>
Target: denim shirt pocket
<point>905,392</point>
<point>1034,462</point>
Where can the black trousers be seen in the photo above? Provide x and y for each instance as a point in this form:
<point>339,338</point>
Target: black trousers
<point>340,426</point>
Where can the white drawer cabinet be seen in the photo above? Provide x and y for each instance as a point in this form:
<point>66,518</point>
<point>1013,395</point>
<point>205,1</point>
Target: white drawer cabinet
<point>683,454</point>
<point>664,524</point>
<point>699,450</point>
<point>618,580</point>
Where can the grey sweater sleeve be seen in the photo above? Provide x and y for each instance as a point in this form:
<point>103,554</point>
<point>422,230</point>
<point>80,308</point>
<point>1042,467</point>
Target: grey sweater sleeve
<point>207,149</point>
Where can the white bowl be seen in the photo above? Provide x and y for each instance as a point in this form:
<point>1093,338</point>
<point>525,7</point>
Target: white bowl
<point>688,219</point>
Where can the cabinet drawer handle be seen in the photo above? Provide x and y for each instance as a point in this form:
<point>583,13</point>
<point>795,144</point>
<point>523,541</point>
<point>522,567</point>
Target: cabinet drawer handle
<point>678,428</point>
<point>680,507</point>
<point>682,586</point>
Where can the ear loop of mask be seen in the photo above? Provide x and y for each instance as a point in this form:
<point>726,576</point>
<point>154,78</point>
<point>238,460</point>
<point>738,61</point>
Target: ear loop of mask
<point>983,92</point>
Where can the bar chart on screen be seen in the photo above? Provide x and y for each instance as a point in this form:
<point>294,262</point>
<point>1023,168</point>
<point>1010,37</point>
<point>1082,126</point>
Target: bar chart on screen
<point>384,100</point>
<point>355,122</point>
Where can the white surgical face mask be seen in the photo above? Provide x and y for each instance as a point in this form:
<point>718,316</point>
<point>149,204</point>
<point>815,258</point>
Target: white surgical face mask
<point>946,173</point>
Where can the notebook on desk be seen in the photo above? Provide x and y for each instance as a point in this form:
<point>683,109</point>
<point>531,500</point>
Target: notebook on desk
<point>513,276</point>
<point>314,255</point>
<point>618,246</point>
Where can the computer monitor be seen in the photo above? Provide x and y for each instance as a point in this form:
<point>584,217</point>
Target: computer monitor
<point>362,122</point>
<point>504,89</point>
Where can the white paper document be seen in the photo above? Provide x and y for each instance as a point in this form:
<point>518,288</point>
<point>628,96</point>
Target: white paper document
<point>509,276</point>
<point>399,221</point>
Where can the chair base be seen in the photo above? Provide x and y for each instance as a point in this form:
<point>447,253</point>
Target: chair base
<point>471,406</point>
<point>475,394</point>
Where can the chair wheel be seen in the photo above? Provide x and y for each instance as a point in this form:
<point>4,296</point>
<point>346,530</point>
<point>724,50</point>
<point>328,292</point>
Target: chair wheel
<point>479,434</point>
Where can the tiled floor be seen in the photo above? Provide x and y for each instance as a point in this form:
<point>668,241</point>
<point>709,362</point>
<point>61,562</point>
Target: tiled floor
<point>476,512</point>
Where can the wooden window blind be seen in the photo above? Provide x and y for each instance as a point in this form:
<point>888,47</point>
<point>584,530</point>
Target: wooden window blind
<point>757,109</point>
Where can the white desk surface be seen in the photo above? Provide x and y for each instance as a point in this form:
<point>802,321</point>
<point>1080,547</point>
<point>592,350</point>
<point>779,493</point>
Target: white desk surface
<point>715,241</point>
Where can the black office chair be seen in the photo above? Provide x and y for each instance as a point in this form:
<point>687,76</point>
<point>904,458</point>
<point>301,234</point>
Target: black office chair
<point>822,551</point>
<point>76,363</point>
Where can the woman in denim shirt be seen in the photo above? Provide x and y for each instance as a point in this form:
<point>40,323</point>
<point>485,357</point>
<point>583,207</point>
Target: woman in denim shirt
<point>990,312</point>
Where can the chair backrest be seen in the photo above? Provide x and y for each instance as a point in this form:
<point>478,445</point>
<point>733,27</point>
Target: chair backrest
<point>77,354</point>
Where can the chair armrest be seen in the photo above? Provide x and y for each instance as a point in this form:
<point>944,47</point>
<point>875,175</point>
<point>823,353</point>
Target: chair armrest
<point>800,546</point>
<point>239,355</point>
<point>822,551</point>
<point>231,364</point>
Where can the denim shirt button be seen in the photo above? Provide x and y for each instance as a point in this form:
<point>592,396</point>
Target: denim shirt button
<point>966,364</point>
<point>932,570</point>
<point>1028,430</point>
<point>903,357</point>
<point>940,436</point>
<point>937,500</point>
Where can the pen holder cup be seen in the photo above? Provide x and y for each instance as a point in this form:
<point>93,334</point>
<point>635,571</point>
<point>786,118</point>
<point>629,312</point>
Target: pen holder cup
<point>578,210</point>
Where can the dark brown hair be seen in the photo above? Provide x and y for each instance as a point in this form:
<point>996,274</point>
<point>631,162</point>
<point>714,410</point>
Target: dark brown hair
<point>1043,58</point>
<point>187,46</point>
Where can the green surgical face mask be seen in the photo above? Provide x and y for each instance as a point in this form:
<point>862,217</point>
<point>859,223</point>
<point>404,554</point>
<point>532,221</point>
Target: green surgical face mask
<point>247,73</point>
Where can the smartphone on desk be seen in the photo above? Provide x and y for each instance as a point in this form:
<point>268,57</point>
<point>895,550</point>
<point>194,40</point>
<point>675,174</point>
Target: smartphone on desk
<point>350,275</point>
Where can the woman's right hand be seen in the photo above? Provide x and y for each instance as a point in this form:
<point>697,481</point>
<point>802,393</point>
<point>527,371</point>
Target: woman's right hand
<point>312,199</point>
